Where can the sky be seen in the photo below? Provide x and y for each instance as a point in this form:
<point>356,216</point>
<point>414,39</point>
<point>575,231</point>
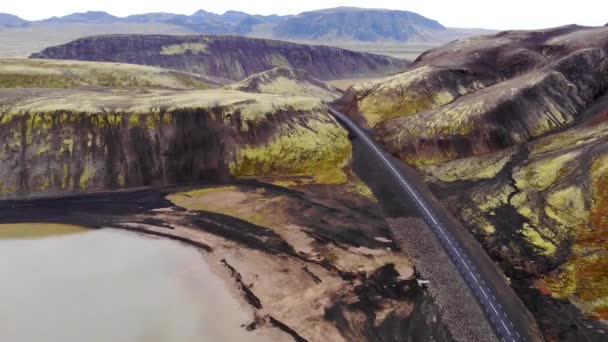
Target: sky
<point>492,14</point>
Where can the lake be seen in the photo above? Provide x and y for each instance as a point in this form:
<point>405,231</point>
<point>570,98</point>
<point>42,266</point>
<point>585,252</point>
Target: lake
<point>64,283</point>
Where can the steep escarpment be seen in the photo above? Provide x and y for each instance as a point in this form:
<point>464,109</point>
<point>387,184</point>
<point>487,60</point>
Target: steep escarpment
<point>485,93</point>
<point>58,141</point>
<point>229,57</point>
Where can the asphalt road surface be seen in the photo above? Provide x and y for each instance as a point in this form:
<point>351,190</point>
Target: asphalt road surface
<point>474,276</point>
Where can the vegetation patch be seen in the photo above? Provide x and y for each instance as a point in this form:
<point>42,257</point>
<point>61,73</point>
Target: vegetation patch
<point>319,149</point>
<point>37,230</point>
<point>468,169</point>
<point>31,73</point>
<point>179,49</point>
<point>585,275</point>
<point>541,174</point>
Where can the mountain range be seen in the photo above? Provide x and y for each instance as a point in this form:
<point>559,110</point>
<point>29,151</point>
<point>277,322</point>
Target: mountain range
<point>9,20</point>
<point>335,24</point>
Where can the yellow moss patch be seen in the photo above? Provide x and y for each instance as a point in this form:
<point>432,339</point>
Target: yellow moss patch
<point>37,230</point>
<point>286,86</point>
<point>32,73</point>
<point>563,285</point>
<point>395,96</point>
<point>472,168</point>
<point>358,187</point>
<point>488,228</point>
<point>224,200</point>
<point>567,206</point>
<point>586,273</point>
<point>578,137</point>
<point>320,149</point>
<point>86,177</point>
<point>430,159</point>
<point>178,49</point>
<point>541,174</point>
<point>537,240</point>
<point>7,189</point>
<point>278,60</point>
<point>492,200</point>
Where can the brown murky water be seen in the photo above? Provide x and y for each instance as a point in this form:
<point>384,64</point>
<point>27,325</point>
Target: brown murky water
<point>67,284</point>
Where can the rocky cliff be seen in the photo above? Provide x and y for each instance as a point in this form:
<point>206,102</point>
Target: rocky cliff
<point>81,126</point>
<point>229,57</point>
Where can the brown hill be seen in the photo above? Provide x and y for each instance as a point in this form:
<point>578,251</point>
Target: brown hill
<point>230,57</point>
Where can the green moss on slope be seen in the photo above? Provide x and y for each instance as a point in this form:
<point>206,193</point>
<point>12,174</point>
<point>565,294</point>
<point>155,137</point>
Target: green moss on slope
<point>320,149</point>
<point>31,73</point>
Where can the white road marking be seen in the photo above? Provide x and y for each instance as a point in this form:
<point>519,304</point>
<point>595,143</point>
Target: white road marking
<point>446,237</point>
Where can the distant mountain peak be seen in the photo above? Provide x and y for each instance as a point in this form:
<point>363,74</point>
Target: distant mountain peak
<point>85,17</point>
<point>371,25</point>
<point>203,13</point>
<point>9,20</point>
<point>338,24</point>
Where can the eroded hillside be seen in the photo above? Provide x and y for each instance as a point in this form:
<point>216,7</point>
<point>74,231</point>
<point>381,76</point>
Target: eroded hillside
<point>229,57</point>
<point>511,131</point>
<point>486,93</point>
<point>118,135</point>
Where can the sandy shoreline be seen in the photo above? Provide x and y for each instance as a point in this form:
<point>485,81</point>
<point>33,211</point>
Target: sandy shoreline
<point>306,268</point>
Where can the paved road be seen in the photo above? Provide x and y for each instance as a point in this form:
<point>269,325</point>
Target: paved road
<point>500,321</point>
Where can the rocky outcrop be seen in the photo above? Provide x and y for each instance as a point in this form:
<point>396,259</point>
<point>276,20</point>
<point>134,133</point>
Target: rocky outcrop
<point>229,57</point>
<point>285,81</point>
<point>112,139</point>
<point>483,94</point>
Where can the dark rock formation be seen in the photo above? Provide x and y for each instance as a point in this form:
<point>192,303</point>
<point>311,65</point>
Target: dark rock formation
<point>224,56</point>
<point>122,139</point>
<point>482,94</point>
<point>349,23</point>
